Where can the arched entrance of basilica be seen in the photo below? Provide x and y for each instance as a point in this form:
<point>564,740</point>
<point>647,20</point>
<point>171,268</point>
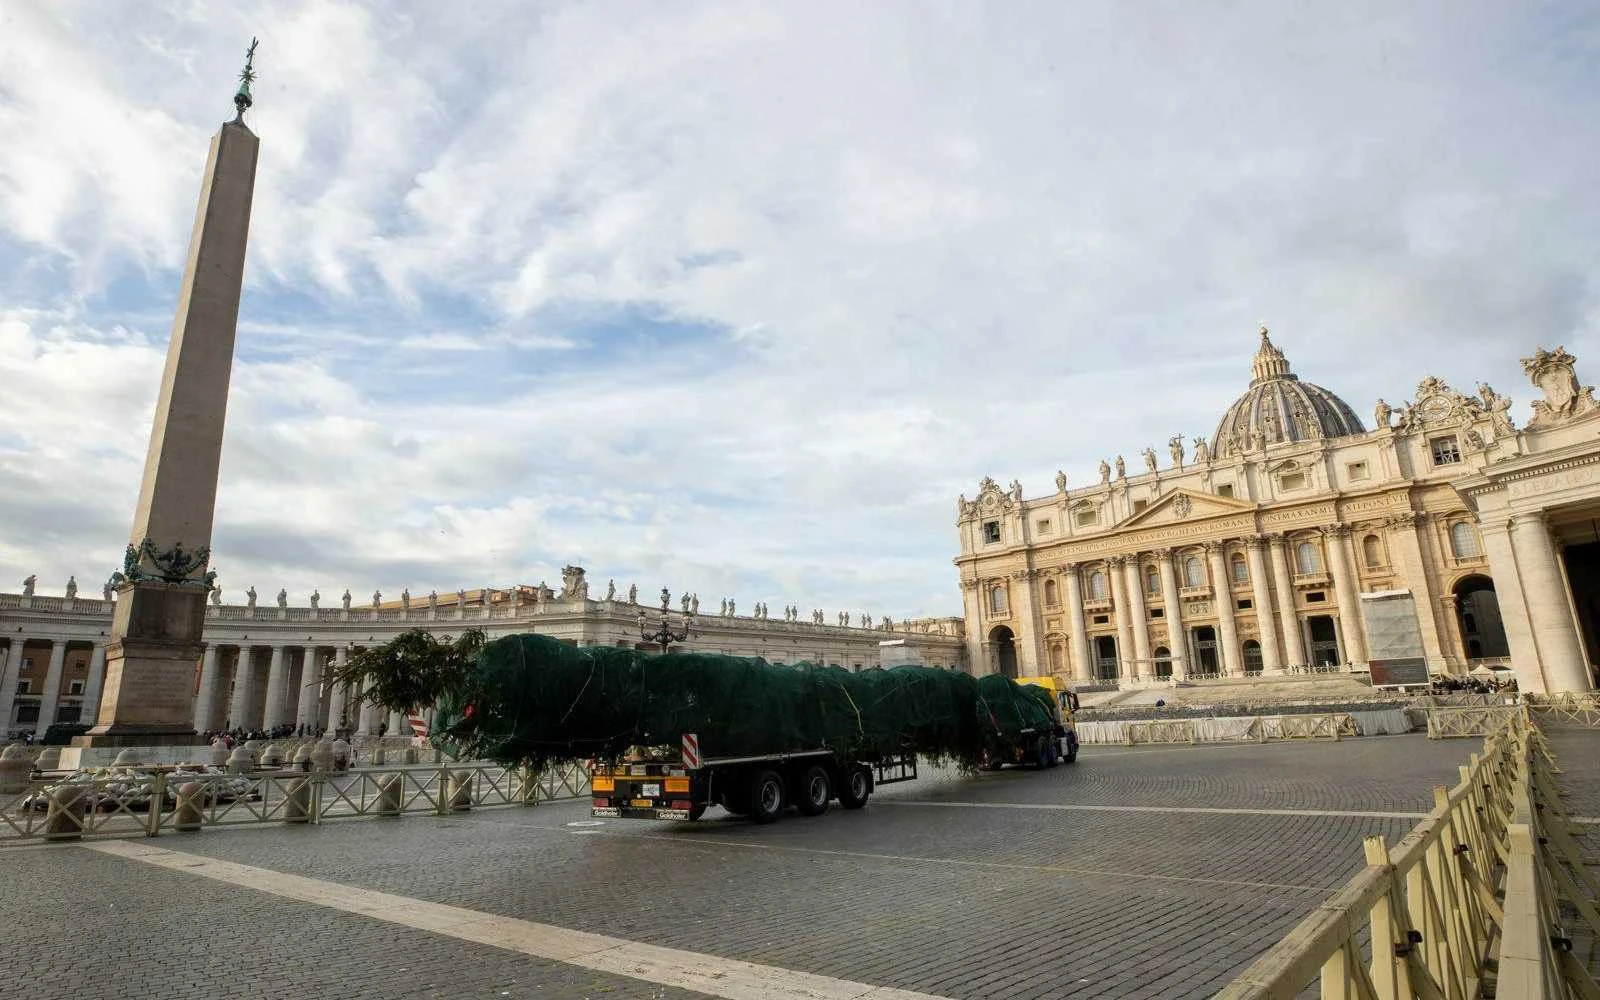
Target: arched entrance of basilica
<point>1105,658</point>
<point>1483,635</point>
<point>1005,650</point>
<point>1205,651</point>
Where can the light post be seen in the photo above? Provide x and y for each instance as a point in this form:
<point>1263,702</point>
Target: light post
<point>664,635</point>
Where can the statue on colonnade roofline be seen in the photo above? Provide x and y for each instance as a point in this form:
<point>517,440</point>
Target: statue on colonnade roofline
<point>694,604</point>
<point>27,585</point>
<point>433,600</point>
<point>72,587</point>
<point>216,595</point>
<point>611,590</point>
<point>684,602</point>
<point>105,592</point>
<point>633,593</point>
<point>316,599</point>
<point>283,597</point>
<point>731,612</point>
<point>724,611</point>
<point>346,598</point>
<point>250,597</point>
<point>377,598</point>
<point>405,599</point>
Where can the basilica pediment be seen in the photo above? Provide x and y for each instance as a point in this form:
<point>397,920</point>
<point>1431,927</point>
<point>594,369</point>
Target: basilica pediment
<point>1182,505</point>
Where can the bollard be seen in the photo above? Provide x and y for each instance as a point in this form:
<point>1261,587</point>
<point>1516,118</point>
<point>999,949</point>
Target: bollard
<point>341,755</point>
<point>271,757</point>
<point>461,791</point>
<point>15,769</point>
<point>240,760</point>
<point>187,814</point>
<point>219,754</point>
<point>390,788</point>
<point>297,802</point>
<point>302,758</point>
<point>129,758</point>
<point>410,755</point>
<point>49,759</point>
<point>64,818</point>
<point>379,758</point>
<point>322,756</point>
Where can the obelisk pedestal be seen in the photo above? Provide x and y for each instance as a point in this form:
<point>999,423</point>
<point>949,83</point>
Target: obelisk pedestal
<point>153,657</point>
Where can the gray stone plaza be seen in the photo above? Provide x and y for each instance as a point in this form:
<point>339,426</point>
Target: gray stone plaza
<point>1147,872</point>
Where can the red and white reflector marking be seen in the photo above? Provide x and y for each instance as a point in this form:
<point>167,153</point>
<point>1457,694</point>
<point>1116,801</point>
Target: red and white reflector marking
<point>419,726</point>
<point>691,750</point>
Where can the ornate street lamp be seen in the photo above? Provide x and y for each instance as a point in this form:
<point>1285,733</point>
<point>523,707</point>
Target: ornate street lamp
<point>664,635</point>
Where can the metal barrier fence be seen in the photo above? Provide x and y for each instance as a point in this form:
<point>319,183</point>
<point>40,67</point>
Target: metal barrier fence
<point>1332,726</point>
<point>133,801</point>
<point>1481,899</point>
<point>1581,708</point>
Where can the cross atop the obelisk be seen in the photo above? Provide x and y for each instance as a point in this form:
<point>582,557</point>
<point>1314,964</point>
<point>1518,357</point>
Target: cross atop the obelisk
<point>242,99</point>
<point>156,633</point>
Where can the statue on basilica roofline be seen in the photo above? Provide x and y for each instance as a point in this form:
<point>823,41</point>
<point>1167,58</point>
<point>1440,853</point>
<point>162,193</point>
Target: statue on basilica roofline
<point>1016,490</point>
<point>1381,415</point>
<point>1061,481</point>
<point>1202,454</point>
<point>1150,459</point>
<point>1105,472</point>
<point>1175,448</point>
<point>1122,468</point>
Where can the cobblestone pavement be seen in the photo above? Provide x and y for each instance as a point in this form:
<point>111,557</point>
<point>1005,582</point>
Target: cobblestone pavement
<point>1013,885</point>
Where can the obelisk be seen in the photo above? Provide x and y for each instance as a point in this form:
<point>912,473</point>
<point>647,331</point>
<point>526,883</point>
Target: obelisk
<point>155,644</point>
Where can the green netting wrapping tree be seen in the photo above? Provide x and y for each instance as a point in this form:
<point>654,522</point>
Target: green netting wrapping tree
<point>534,699</point>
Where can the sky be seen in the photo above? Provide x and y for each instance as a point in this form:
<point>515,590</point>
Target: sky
<point>737,298</point>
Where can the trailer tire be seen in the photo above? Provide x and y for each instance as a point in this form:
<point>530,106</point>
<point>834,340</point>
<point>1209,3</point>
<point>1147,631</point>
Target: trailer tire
<point>812,791</point>
<point>766,797</point>
<point>1041,752</point>
<point>856,788</point>
<point>1072,752</point>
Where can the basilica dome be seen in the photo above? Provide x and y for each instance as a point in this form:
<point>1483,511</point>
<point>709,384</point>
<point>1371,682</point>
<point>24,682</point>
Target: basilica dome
<point>1279,408</point>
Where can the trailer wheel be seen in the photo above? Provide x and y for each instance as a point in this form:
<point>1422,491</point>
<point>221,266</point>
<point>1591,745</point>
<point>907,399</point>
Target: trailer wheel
<point>766,797</point>
<point>1072,752</point>
<point>813,792</point>
<point>1054,751</point>
<point>1041,753</point>
<point>857,787</point>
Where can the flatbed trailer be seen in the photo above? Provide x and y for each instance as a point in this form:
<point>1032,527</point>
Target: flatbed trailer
<point>677,784</point>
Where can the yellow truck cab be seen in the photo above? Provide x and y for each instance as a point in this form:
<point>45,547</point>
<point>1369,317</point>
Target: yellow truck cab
<point>1065,699</point>
<point>1061,744</point>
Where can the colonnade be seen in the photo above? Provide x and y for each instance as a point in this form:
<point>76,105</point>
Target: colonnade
<point>297,690</point>
<point>50,693</point>
<point>1128,606</point>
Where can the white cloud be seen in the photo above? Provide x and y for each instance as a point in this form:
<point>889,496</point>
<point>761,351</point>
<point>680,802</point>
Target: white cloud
<point>738,298</point>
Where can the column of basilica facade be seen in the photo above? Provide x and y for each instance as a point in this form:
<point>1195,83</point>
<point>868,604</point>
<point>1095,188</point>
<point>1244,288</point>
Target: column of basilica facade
<point>1260,550</point>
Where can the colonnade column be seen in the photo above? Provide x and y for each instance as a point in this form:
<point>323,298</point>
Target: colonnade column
<point>90,713</point>
<point>1077,634</point>
<point>1294,646</point>
<point>8,682</point>
<point>205,701</point>
<point>1344,588</point>
<point>1140,618</point>
<point>306,713</point>
<point>336,693</point>
<point>1261,597</point>
<point>272,712</point>
<point>1119,597</point>
<point>1176,640</point>
<point>369,716</point>
<point>1560,649</point>
<point>243,681</point>
<point>52,685</point>
<point>397,725</point>
<point>1222,597</point>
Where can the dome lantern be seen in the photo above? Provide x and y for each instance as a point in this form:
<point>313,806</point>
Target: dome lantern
<point>1279,408</point>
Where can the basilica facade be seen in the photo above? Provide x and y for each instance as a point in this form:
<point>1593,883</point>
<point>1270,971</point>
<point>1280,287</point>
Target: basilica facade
<point>1295,538</point>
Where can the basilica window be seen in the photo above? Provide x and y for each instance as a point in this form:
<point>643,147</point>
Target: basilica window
<point>997,600</point>
<point>991,531</point>
<point>1464,541</point>
<point>1086,517</point>
<point>1194,573</point>
<point>1097,586</point>
<point>1140,505</point>
<point>1372,551</point>
<point>1306,559</point>
<point>1241,572</point>
<point>1356,471</point>
<point>1292,481</point>
<point>1152,580</point>
<point>1050,597</point>
<point>1044,526</point>
<point>1224,489</point>
<point>1445,450</point>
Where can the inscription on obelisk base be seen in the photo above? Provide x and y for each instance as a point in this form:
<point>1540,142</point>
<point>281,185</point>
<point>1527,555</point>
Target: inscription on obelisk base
<point>153,656</point>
